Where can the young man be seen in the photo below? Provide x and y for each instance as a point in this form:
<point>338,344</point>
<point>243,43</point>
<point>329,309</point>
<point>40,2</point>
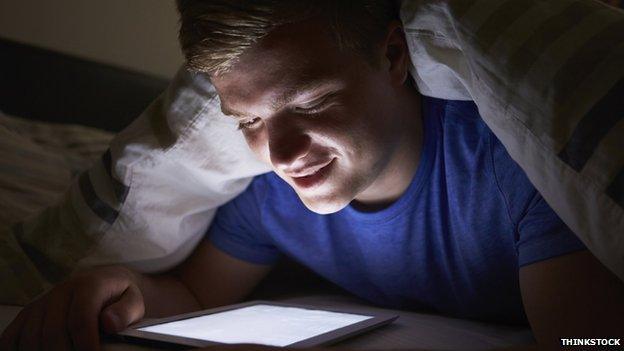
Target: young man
<point>404,200</point>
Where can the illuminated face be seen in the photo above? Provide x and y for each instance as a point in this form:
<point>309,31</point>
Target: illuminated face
<point>327,122</point>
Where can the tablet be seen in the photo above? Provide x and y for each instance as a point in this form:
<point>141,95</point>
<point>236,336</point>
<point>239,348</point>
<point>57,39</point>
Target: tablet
<point>257,322</point>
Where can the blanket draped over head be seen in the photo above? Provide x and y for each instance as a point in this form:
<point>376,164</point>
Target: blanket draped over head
<point>547,76</point>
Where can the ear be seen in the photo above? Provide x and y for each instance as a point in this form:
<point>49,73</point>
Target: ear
<point>396,54</point>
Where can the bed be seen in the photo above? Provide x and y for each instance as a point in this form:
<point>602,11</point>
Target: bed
<point>66,145</point>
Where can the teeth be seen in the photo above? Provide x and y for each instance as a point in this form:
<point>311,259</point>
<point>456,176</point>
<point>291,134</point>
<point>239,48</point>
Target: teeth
<point>311,173</point>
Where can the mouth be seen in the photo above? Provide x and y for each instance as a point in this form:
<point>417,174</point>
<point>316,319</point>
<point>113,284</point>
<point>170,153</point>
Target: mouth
<point>314,176</point>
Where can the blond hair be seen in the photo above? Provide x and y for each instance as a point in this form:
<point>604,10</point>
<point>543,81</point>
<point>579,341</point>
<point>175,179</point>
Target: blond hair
<point>214,33</point>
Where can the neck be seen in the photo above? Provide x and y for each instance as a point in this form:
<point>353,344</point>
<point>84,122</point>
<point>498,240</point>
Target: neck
<point>399,170</point>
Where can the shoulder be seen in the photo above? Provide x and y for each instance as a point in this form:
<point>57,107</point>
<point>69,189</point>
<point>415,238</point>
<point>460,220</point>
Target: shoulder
<point>471,147</point>
<point>463,138</point>
<point>462,126</point>
<point>465,114</point>
<point>250,204</point>
<point>269,182</point>
<point>267,186</point>
<point>456,119</point>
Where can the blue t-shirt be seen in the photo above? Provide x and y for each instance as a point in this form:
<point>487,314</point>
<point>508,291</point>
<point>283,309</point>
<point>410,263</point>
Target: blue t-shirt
<point>453,242</point>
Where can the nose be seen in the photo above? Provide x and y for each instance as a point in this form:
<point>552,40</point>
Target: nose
<point>287,143</point>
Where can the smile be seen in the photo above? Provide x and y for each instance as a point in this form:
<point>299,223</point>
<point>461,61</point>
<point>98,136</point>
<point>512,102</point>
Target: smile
<point>313,176</point>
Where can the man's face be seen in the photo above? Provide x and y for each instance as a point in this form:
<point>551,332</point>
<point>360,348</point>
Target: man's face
<point>323,118</point>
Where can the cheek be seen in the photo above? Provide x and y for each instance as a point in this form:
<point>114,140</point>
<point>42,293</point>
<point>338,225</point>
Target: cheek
<point>258,143</point>
<point>354,132</point>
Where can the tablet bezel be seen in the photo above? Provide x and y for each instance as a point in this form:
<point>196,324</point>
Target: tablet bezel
<point>377,319</point>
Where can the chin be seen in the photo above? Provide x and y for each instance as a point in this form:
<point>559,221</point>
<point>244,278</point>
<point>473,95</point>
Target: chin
<point>324,206</point>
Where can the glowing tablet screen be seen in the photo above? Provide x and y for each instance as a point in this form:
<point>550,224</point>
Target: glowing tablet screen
<point>258,324</point>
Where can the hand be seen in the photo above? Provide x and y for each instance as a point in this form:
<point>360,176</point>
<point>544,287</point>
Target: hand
<point>71,314</point>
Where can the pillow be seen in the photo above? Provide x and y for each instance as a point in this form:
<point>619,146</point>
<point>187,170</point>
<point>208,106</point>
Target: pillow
<point>146,202</point>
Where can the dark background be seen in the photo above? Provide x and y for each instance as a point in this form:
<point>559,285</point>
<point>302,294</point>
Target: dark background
<point>44,85</point>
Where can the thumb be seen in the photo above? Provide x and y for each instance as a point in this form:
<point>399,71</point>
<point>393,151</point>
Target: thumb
<point>128,309</point>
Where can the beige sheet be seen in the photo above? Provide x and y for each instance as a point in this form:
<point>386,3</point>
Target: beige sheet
<point>38,161</point>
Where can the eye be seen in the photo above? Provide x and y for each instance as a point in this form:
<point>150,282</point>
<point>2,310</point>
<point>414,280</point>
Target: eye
<point>315,106</point>
<point>248,124</point>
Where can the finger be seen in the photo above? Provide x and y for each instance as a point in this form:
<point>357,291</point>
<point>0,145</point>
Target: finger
<point>30,334</point>
<point>82,318</point>
<point>85,307</point>
<point>10,336</point>
<point>54,329</point>
<point>123,312</point>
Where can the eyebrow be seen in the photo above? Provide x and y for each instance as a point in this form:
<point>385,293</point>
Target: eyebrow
<point>287,97</point>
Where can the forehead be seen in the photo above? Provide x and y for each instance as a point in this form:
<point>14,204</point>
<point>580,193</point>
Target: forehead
<point>291,58</point>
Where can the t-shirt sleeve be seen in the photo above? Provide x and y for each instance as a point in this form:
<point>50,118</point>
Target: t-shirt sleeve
<point>539,232</point>
<point>237,230</point>
<point>543,235</point>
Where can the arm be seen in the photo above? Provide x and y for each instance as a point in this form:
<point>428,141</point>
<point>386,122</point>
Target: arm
<point>208,278</point>
<point>572,296</point>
